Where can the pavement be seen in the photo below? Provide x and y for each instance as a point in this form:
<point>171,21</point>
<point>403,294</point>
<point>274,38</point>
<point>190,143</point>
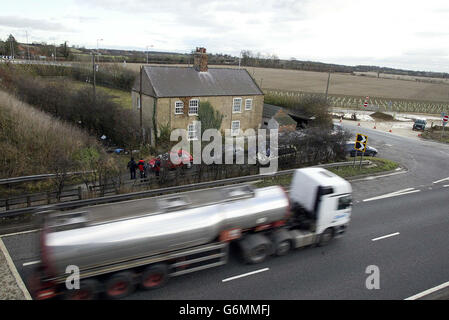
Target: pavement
<point>11,285</point>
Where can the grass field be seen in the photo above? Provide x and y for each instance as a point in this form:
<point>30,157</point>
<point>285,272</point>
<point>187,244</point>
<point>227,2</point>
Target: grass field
<point>121,97</point>
<point>343,84</point>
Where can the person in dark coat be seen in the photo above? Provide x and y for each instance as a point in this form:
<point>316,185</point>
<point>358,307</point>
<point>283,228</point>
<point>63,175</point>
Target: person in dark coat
<point>132,166</point>
<point>141,166</point>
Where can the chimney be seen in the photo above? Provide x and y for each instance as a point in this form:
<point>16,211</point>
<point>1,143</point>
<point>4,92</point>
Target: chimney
<point>200,60</point>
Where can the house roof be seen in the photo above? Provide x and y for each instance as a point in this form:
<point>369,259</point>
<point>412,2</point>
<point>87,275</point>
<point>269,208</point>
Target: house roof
<point>285,120</point>
<point>269,110</point>
<point>168,81</point>
<point>272,111</point>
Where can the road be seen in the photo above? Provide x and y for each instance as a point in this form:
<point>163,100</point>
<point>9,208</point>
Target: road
<point>405,234</point>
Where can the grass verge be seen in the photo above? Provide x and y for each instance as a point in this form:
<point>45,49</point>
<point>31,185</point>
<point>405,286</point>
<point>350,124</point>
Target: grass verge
<point>436,135</point>
<point>378,165</point>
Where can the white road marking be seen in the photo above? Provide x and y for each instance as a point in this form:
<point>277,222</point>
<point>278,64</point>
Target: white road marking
<point>17,233</point>
<point>387,236</point>
<point>438,181</point>
<point>429,291</point>
<point>380,176</point>
<point>31,263</point>
<point>245,275</point>
<point>393,194</point>
<point>13,269</point>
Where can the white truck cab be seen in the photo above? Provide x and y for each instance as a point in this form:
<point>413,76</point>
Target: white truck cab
<point>325,197</point>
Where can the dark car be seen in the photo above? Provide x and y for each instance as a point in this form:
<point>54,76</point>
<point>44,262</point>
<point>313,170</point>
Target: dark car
<point>369,152</point>
<point>420,124</point>
<point>185,158</point>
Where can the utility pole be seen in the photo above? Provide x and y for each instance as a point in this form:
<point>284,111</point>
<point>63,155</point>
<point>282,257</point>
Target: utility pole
<point>240,57</point>
<point>327,87</point>
<point>93,71</point>
<point>140,103</point>
<point>98,50</point>
<point>28,46</point>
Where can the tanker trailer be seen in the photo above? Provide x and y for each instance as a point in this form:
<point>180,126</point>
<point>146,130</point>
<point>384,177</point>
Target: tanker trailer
<point>142,243</point>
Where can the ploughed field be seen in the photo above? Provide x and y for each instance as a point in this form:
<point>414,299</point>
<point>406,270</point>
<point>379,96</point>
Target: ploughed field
<point>387,93</point>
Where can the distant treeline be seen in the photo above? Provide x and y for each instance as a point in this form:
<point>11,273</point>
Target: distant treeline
<point>247,58</point>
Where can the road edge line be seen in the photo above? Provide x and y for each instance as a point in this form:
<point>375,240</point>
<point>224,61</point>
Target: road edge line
<point>428,291</point>
<point>14,271</point>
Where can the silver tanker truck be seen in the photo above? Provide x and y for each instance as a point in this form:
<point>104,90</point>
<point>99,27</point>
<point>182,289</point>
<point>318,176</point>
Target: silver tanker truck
<point>141,243</point>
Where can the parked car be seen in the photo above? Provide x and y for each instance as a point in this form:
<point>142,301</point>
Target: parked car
<point>369,152</point>
<point>164,160</point>
<point>420,124</point>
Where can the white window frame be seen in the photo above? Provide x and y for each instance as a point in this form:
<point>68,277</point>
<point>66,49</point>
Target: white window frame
<point>233,133</point>
<point>197,106</point>
<point>234,105</point>
<point>177,107</point>
<point>189,131</point>
<point>250,104</point>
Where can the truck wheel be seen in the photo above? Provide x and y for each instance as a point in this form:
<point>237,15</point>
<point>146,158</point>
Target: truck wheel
<point>282,248</point>
<point>154,277</point>
<point>258,254</point>
<point>119,285</point>
<point>88,290</point>
<point>326,237</point>
<point>282,242</point>
<point>255,248</point>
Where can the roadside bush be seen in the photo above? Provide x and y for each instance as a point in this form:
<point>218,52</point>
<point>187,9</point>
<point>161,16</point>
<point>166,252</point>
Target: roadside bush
<point>99,117</point>
<point>33,142</point>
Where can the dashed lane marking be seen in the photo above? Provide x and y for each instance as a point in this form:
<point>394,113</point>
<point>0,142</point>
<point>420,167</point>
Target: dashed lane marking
<point>245,275</point>
<point>386,236</point>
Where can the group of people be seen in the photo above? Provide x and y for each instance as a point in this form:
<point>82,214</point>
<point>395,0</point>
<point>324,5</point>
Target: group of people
<point>141,165</point>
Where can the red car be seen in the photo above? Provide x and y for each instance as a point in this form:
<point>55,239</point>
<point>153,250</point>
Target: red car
<point>183,157</point>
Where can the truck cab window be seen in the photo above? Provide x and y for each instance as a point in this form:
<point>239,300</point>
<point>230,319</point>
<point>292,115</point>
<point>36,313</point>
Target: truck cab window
<point>344,202</point>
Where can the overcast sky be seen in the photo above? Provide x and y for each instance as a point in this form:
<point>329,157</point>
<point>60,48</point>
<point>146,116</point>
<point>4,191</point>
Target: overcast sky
<point>395,33</point>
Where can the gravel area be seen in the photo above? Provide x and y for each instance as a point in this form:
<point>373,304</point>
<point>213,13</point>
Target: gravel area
<point>9,288</point>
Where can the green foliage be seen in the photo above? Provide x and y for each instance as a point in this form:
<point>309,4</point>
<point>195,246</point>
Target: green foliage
<point>164,137</point>
<point>86,155</point>
<point>209,117</point>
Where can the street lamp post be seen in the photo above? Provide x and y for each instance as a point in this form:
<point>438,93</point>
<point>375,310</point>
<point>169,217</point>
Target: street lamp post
<point>98,52</point>
<point>151,46</point>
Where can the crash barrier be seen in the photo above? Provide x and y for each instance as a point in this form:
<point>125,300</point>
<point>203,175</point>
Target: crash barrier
<point>39,177</point>
<point>161,191</point>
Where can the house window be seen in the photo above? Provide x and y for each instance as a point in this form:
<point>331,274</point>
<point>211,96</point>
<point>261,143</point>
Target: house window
<point>248,104</point>
<point>179,107</point>
<point>193,107</point>
<point>235,128</point>
<point>237,105</point>
<point>192,132</point>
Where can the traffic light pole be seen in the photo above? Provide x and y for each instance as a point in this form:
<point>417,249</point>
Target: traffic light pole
<point>361,158</point>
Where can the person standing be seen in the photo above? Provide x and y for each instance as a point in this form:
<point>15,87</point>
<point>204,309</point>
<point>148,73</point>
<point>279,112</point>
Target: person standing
<point>132,166</point>
<point>141,166</point>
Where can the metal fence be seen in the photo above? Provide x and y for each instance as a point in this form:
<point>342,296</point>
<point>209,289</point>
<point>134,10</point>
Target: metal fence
<point>156,192</point>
